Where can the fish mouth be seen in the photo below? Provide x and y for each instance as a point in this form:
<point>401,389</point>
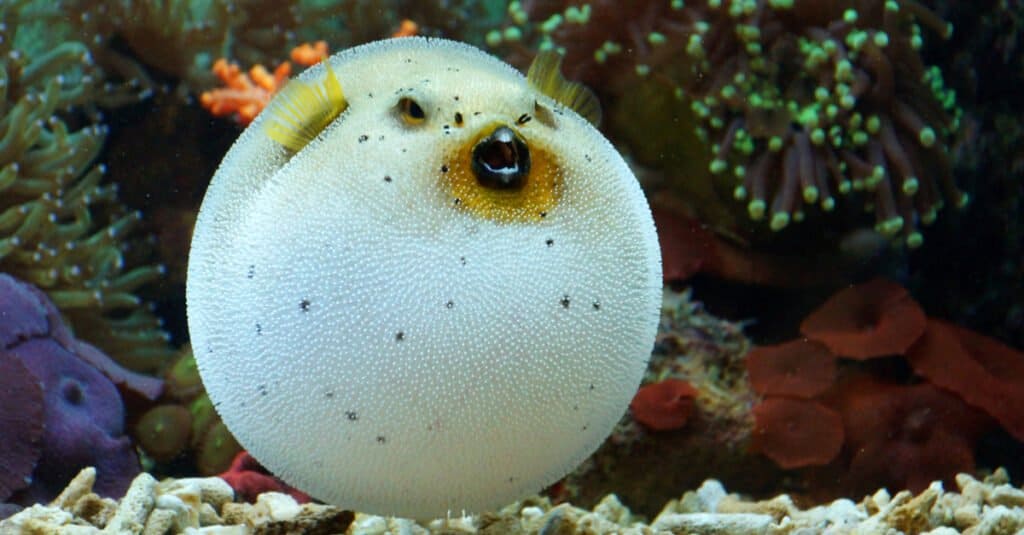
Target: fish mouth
<point>501,160</point>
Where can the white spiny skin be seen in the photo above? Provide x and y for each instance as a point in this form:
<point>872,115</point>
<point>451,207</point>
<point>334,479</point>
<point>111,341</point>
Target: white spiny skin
<point>383,348</point>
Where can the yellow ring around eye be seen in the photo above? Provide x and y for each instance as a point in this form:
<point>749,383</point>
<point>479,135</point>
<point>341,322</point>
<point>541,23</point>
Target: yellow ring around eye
<point>410,110</point>
<point>531,203</point>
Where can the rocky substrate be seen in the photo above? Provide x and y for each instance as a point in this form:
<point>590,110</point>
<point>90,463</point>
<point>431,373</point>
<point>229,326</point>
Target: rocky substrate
<point>205,506</point>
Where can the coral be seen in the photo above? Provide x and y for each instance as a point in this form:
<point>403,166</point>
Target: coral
<point>664,405</point>
<point>215,448</point>
<point>308,54</point>
<point>246,94</point>
<point>797,432</point>
<point>910,428</point>
<point>978,369</point>
<point>60,228</point>
<point>83,415</point>
<point>905,436</point>
<point>184,427</point>
<point>868,320</point>
<point>802,101</point>
<point>249,479</point>
<point>799,104</point>
<point>21,424</point>
<point>163,431</point>
<point>799,368</point>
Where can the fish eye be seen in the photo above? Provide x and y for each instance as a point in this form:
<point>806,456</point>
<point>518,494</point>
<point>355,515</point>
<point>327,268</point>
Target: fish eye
<point>410,110</point>
<point>501,160</point>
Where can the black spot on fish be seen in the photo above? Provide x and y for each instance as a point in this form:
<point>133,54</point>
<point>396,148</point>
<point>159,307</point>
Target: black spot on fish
<point>262,389</point>
<point>399,336</point>
<point>351,415</point>
<point>381,439</point>
<point>565,301</point>
<point>363,138</point>
<point>304,305</point>
<point>549,242</point>
<point>523,119</point>
<point>387,178</point>
<point>444,168</point>
<point>251,272</point>
<point>259,329</point>
<point>596,305</point>
<point>450,304</point>
<point>543,214</point>
<point>328,395</point>
<point>458,119</point>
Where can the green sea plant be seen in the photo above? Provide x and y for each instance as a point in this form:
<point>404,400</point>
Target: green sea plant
<point>805,108</point>
<point>185,424</point>
<point>61,227</point>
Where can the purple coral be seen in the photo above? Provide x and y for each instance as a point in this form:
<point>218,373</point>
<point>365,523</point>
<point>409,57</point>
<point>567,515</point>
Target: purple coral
<point>82,412</point>
<point>21,424</point>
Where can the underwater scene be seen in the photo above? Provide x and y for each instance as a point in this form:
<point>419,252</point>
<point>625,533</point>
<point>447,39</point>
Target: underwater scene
<point>526,267</point>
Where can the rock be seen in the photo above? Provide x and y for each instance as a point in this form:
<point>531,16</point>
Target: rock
<point>203,506</point>
<point>713,523</point>
<point>999,520</point>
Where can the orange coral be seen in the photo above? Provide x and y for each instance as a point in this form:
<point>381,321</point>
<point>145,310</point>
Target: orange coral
<point>246,94</point>
<point>310,54</point>
<point>408,28</point>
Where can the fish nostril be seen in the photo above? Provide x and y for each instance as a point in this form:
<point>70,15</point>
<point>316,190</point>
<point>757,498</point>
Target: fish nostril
<point>501,160</point>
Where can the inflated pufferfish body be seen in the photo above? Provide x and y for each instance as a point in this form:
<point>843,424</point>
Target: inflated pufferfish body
<point>419,284</point>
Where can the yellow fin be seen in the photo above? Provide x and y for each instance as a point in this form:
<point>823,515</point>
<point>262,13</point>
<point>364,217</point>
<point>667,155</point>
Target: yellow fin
<point>302,109</point>
<point>545,75</point>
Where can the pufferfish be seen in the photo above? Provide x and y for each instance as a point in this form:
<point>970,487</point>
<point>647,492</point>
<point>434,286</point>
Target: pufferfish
<point>421,283</point>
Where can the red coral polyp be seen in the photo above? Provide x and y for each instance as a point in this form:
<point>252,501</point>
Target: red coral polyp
<point>981,371</point>
<point>796,433</point>
<point>800,368</point>
<point>874,319</point>
<point>664,405</point>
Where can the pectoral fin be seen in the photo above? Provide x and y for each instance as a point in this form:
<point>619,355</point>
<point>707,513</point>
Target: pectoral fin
<point>545,75</point>
<point>302,109</point>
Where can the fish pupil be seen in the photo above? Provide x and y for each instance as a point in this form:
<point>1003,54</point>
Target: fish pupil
<point>501,160</point>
